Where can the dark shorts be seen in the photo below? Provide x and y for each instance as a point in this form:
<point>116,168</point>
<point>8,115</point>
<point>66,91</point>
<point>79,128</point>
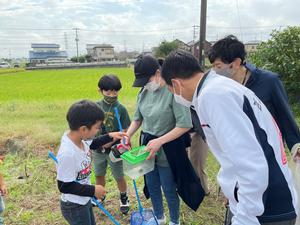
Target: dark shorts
<point>77,214</point>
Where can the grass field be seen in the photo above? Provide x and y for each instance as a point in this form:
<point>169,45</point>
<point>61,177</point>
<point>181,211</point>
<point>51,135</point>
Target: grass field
<point>33,105</point>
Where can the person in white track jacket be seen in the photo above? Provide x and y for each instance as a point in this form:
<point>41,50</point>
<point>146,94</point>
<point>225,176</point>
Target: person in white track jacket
<point>244,138</point>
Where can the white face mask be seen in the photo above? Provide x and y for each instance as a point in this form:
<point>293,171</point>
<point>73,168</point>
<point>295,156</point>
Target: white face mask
<point>181,100</point>
<point>152,86</point>
<point>226,72</point>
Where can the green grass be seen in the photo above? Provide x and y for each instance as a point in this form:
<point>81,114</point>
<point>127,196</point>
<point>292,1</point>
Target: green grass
<point>33,105</point>
<point>11,70</point>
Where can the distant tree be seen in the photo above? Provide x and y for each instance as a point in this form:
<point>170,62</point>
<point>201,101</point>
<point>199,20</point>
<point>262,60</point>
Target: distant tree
<point>281,54</point>
<point>81,59</point>
<point>165,48</point>
<point>88,58</point>
<point>74,59</point>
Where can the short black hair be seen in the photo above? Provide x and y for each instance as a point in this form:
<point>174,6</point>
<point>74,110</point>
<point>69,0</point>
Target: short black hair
<point>109,82</point>
<point>84,113</point>
<point>160,61</point>
<point>227,50</point>
<point>179,64</point>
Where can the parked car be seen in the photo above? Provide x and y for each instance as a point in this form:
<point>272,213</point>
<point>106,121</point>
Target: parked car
<point>4,65</point>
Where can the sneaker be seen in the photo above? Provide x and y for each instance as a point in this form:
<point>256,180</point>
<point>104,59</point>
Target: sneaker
<point>171,223</point>
<point>162,221</point>
<point>124,203</point>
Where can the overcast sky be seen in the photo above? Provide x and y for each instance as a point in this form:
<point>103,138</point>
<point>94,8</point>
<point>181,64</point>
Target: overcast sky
<point>134,24</point>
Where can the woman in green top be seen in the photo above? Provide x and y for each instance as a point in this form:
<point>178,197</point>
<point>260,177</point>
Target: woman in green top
<point>159,115</point>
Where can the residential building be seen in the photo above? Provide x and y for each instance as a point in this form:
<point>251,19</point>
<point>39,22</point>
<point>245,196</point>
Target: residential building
<point>47,53</point>
<point>195,48</point>
<point>251,46</point>
<point>101,52</point>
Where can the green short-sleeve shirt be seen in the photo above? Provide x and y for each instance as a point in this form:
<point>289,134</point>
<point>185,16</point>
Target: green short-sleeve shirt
<point>159,114</point>
<point>110,121</point>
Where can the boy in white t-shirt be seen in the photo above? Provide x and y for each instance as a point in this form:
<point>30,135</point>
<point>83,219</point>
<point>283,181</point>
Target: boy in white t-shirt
<point>74,162</point>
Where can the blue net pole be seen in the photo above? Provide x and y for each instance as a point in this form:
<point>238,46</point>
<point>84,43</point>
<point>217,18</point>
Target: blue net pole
<point>138,197</point>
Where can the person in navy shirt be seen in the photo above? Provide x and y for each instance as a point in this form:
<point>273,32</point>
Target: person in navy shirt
<point>228,58</point>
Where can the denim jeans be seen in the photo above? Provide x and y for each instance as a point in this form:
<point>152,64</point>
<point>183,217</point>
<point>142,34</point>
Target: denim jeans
<point>1,209</point>
<point>77,214</point>
<point>163,177</point>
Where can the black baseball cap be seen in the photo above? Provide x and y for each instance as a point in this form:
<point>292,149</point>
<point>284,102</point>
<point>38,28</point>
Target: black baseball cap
<point>144,67</point>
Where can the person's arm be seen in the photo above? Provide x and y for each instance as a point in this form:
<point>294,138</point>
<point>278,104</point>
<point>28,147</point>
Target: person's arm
<point>76,188</point>
<point>104,139</point>
<point>125,121</point>
<point>284,116</point>
<point>183,124</point>
<point>134,126</point>
<point>236,137</point>
<point>100,141</point>
<point>154,145</point>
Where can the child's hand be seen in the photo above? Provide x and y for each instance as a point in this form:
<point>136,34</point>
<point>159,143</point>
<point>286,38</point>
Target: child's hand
<point>99,191</point>
<point>127,140</point>
<point>117,135</point>
<point>3,190</point>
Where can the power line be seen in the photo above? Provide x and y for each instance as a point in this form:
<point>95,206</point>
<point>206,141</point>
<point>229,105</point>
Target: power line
<point>244,27</point>
<point>103,31</point>
<point>144,32</point>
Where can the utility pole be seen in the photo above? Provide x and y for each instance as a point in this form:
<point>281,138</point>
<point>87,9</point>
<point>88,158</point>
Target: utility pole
<point>202,32</point>
<point>77,40</point>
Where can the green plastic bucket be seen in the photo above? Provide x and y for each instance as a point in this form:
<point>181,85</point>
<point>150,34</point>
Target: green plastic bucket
<point>135,163</point>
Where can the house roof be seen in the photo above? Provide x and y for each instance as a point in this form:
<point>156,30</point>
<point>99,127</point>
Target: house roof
<point>92,46</point>
<point>190,43</point>
<point>179,41</point>
<point>253,42</point>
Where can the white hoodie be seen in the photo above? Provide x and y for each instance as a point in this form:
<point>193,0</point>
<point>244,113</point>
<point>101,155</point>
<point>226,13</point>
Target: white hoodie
<point>246,141</point>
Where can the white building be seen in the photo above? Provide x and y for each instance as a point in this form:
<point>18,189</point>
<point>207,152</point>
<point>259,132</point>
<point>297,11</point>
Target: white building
<point>101,52</point>
<point>47,53</point>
